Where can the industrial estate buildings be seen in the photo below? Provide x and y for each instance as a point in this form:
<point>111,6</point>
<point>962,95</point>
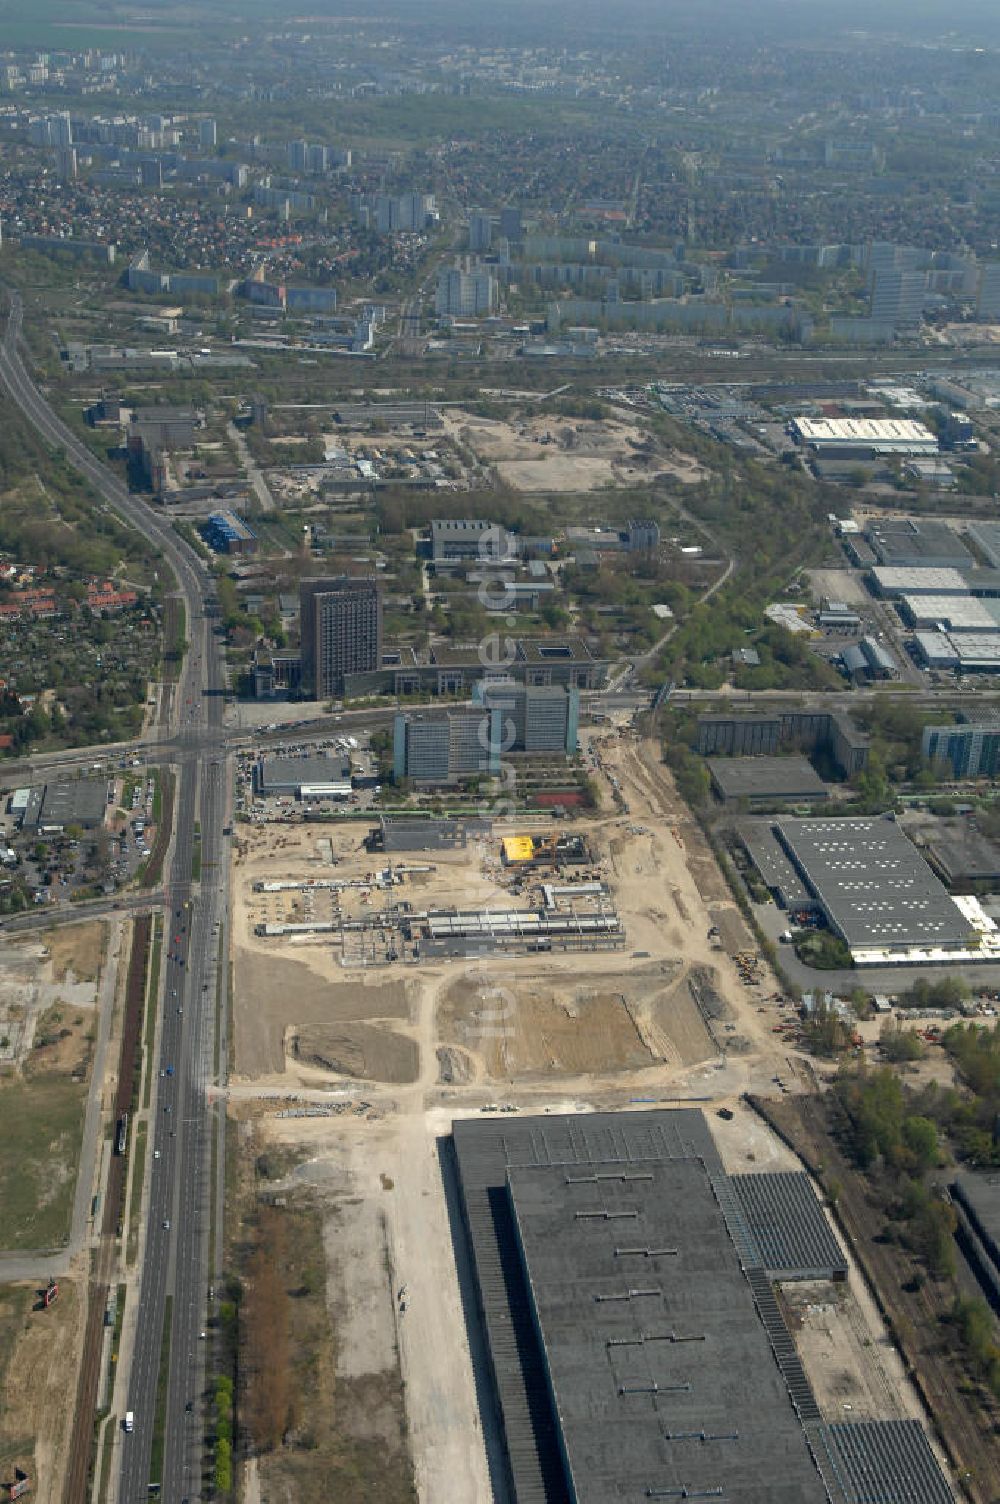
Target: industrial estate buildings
<point>637,1351</point>
<point>863,438</point>
<point>877,893</point>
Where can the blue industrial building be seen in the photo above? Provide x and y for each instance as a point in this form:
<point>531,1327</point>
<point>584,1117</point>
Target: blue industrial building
<point>229,534</point>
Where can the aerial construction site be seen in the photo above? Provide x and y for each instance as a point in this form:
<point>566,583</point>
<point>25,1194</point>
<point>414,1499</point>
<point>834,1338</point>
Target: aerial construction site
<point>392,977</point>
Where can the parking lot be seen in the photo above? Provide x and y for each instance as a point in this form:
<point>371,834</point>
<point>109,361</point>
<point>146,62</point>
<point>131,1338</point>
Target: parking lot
<point>361,769</point>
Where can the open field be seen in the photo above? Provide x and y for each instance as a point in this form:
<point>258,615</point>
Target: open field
<point>605,1026</point>
<point>47,1014</point>
<point>345,1435</point>
<point>39,1153</point>
<point>37,1349</point>
<point>37,977</point>
<point>76,952</point>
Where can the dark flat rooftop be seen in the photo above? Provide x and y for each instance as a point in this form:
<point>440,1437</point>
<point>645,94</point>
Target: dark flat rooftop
<point>875,886</point>
<point>980,1190</point>
<point>792,777</point>
<point>284,771</point>
<point>80,801</point>
<point>584,1147</point>
<point>960,851</point>
<point>660,1368</point>
<point>774,864</point>
<point>637,1347</point>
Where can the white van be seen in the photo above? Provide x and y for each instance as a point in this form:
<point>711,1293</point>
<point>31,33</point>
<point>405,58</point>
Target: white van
<point>130,1420</point>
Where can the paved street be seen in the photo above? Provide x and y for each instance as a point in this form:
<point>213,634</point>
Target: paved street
<point>175,1258</point>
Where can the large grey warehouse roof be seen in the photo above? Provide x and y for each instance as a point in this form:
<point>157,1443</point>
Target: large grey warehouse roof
<point>662,1168</point>
<point>898,541</point>
<point>873,884</point>
<point>637,1347</point>
<point>986,537</point>
<point>660,1368</point>
<point>776,868</point>
<point>82,801</point>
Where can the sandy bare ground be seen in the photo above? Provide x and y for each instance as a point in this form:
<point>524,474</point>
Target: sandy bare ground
<point>552,453</point>
<point>279,993</point>
<point>838,585</point>
<point>37,975</point>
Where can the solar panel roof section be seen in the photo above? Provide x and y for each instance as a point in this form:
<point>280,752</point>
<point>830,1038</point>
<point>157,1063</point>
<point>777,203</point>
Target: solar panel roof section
<point>882,1462</point>
<point>787,1225</point>
<point>874,886</point>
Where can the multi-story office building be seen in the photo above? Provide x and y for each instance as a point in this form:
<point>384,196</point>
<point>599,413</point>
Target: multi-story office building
<point>765,734</point>
<point>971,751</point>
<point>506,717</point>
<point>420,748</point>
<point>405,211</point>
<point>207,135</point>
<point>988,303</point>
<point>898,297</point>
<point>480,232</point>
<point>463,539</point>
<point>466,294</point>
<point>341,625</point>
<point>510,222</point>
<point>535,718</point>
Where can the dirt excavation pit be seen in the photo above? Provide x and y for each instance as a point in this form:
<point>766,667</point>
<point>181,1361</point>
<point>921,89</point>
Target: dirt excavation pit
<point>277,995</point>
<point>604,1024</point>
<point>358,1050</point>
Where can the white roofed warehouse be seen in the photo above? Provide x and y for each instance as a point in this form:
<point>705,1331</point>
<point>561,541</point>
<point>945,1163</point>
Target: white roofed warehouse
<point>863,438</point>
<point>879,895</point>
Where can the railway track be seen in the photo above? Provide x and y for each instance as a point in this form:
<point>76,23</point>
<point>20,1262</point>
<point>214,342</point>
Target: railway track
<point>82,1440</point>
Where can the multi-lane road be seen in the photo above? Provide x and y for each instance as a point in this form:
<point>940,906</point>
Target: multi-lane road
<point>182,1194</point>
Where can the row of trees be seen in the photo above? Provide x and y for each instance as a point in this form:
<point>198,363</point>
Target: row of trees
<point>897,1145</point>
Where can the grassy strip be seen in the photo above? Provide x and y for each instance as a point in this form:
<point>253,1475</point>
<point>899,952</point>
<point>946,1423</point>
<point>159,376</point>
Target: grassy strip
<point>157,796</point>
<point>116,1336</point>
<point>151,996</point>
<point>108,1448</point>
<point>216,1061</point>
<point>231,1040</point>
<point>174,644</point>
<point>160,1414</point>
<point>192,538</point>
<point>107,1458</point>
<point>135,1204</point>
